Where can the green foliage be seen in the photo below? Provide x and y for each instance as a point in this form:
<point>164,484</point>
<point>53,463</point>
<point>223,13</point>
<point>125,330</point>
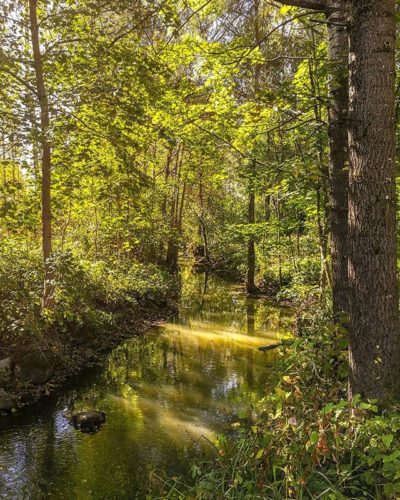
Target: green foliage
<point>307,441</point>
<point>90,295</point>
<point>20,291</point>
<point>159,127</point>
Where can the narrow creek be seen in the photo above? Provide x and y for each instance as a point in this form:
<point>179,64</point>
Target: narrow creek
<point>162,392</point>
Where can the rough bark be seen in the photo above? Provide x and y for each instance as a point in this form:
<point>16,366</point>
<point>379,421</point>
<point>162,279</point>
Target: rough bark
<point>374,319</point>
<point>338,152</point>
<point>48,291</point>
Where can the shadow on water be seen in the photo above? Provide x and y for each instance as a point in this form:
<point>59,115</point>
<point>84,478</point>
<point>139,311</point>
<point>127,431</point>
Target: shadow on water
<point>162,392</point>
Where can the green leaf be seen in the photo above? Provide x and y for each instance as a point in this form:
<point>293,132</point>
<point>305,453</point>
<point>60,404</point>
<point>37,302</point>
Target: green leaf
<point>387,439</point>
<point>314,437</point>
<point>393,456</point>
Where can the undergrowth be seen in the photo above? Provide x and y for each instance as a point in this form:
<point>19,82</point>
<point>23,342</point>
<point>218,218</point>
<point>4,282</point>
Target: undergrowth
<point>89,294</point>
<point>308,440</point>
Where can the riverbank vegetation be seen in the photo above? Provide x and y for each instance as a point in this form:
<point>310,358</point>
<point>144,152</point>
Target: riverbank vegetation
<point>257,139</point>
<point>305,438</point>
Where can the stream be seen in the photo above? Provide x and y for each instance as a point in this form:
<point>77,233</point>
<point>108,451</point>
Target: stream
<point>166,394</point>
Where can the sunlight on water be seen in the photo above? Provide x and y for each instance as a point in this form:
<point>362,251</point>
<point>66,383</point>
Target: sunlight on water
<point>165,395</point>
<point>208,333</point>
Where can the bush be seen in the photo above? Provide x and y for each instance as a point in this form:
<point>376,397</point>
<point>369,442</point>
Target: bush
<point>88,294</point>
<point>20,292</point>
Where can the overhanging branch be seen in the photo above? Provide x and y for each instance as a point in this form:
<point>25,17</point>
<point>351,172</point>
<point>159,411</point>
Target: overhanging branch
<point>320,5</point>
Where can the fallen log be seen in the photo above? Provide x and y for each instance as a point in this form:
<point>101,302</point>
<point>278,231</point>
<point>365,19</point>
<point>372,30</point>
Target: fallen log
<point>266,348</point>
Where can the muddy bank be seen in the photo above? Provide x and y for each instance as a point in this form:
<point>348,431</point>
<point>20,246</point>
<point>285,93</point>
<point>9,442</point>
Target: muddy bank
<point>38,364</point>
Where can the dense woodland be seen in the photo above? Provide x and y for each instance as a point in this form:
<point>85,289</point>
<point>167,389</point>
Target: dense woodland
<point>256,138</point>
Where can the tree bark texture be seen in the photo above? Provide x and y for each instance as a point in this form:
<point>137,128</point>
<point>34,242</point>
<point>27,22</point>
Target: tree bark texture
<point>374,319</point>
<point>338,152</point>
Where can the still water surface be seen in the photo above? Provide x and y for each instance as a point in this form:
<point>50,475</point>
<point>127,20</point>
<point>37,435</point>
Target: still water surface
<point>162,392</point>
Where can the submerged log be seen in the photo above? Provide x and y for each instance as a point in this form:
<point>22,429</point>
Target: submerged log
<point>266,348</point>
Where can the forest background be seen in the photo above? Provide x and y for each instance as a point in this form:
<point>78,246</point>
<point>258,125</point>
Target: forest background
<point>135,132</point>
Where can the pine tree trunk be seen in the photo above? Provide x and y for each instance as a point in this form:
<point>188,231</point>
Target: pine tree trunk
<point>374,319</point>
<point>48,291</point>
<point>338,152</point>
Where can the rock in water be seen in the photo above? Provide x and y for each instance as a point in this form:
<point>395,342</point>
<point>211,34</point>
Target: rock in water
<point>88,421</point>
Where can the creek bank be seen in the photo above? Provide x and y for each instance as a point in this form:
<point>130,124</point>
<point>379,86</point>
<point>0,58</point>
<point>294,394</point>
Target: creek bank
<point>35,367</point>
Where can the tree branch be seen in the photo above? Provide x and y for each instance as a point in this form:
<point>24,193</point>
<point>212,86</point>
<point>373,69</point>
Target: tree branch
<point>306,4</point>
<point>19,79</point>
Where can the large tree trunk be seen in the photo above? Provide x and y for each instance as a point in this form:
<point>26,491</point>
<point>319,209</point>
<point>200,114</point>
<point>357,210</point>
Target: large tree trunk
<point>48,291</point>
<point>338,152</point>
<point>374,319</point>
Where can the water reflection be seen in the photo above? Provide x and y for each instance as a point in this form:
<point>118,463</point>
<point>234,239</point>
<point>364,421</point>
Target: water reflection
<point>186,379</point>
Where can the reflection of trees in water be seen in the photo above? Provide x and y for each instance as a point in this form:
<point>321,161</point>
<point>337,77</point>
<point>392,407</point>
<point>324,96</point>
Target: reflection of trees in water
<point>199,371</point>
<point>207,297</point>
<point>154,388</point>
<point>250,311</point>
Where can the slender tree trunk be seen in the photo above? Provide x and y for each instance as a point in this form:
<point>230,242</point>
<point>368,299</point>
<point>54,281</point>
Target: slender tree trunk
<point>251,248</point>
<point>48,290</point>
<point>161,248</point>
<point>374,319</point>
<point>181,207</point>
<point>322,188</point>
<point>338,152</point>
<point>172,249</point>
<point>278,218</point>
<point>325,275</point>
<point>202,223</point>
<point>336,12</point>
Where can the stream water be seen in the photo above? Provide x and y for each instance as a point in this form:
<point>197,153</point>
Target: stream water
<point>162,392</point>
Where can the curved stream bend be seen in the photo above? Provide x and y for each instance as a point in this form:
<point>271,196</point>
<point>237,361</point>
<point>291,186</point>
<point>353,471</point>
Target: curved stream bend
<point>185,379</point>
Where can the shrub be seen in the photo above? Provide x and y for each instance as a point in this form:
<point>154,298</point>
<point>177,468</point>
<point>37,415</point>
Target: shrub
<point>88,294</point>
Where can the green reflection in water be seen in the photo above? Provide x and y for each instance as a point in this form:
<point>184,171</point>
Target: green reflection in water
<point>185,379</point>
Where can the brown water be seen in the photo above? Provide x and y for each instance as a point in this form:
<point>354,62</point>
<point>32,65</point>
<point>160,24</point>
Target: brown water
<point>164,393</point>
